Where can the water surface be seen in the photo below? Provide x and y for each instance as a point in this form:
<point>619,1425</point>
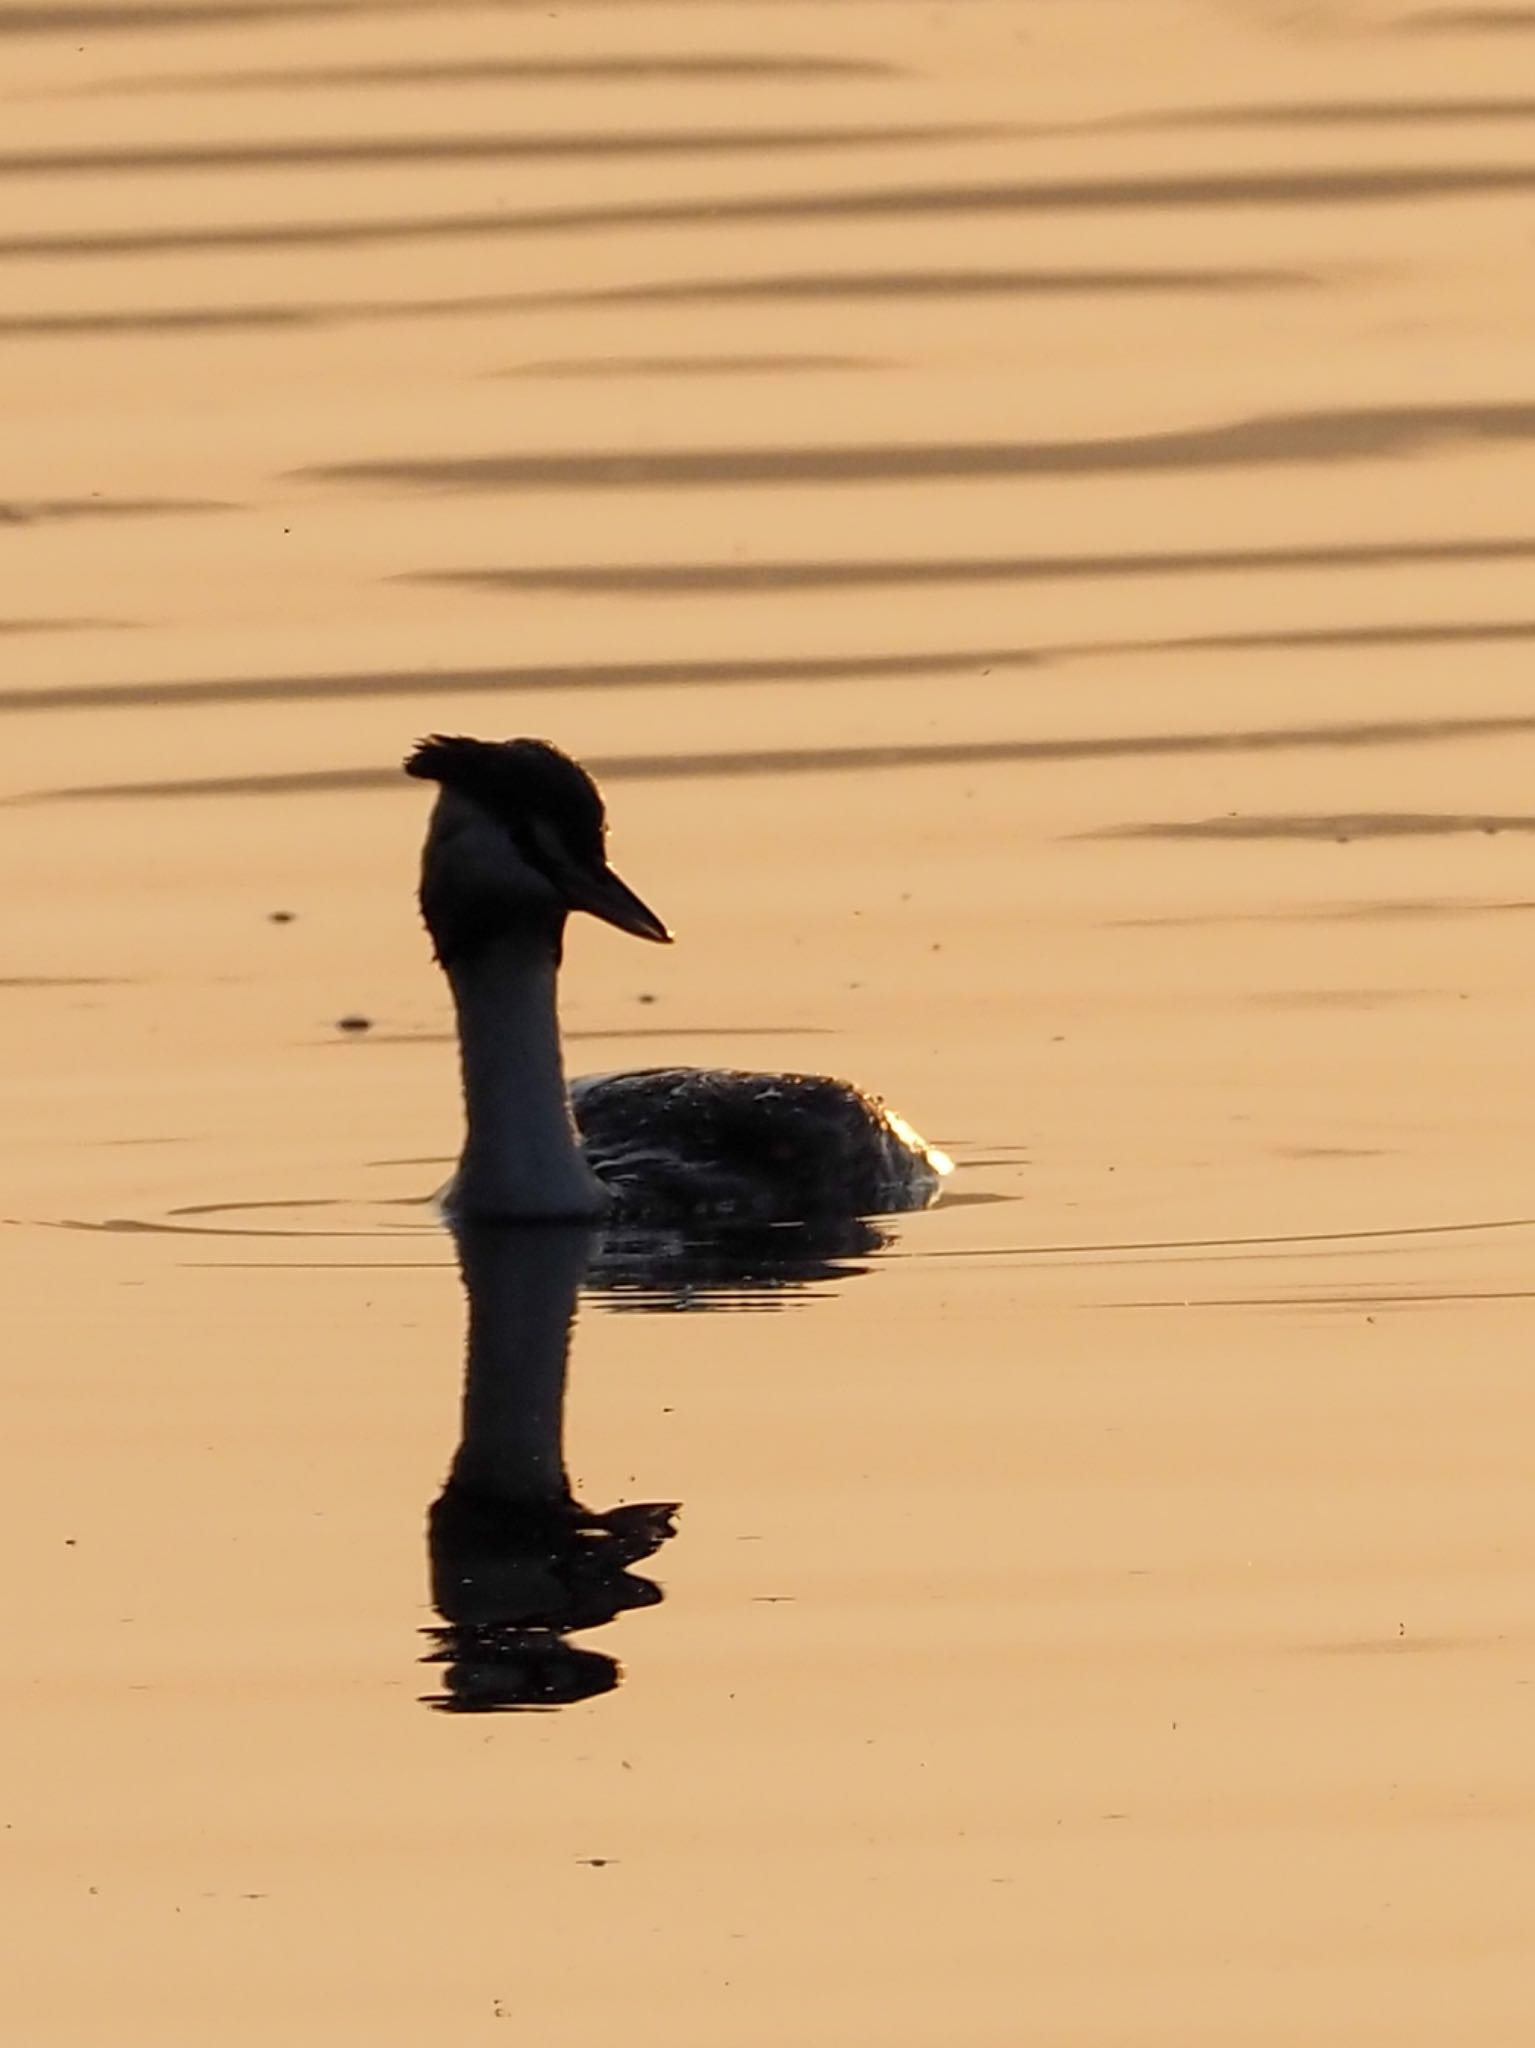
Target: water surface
<point>1027,507</point>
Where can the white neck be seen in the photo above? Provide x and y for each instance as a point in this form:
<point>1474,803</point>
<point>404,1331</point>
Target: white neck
<point>521,1156</point>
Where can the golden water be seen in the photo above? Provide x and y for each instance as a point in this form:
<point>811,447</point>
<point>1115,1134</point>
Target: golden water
<point>1027,505</point>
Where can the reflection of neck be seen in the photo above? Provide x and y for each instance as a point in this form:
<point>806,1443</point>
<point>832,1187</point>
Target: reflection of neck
<point>522,1284</point>
<point>521,1156</point>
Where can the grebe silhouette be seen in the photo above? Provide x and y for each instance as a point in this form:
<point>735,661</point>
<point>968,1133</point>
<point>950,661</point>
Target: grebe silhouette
<point>517,842</point>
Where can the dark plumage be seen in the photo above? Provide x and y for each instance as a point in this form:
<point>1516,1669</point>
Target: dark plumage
<point>743,1147</point>
<point>516,782</point>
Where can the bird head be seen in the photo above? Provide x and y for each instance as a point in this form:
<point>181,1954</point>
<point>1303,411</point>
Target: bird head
<point>518,840</point>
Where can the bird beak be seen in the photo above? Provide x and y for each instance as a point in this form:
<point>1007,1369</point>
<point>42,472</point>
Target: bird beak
<point>605,896</point>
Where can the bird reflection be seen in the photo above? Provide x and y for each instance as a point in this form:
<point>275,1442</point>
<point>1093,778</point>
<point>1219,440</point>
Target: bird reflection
<point>518,1564</point>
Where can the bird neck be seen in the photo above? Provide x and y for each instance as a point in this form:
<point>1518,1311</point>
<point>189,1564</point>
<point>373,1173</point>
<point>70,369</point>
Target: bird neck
<point>521,1156</point>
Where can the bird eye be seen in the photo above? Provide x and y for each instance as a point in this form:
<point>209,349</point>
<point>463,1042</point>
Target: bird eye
<point>544,845</point>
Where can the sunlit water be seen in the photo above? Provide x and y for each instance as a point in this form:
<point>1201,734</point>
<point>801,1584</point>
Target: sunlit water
<point>1026,508</point>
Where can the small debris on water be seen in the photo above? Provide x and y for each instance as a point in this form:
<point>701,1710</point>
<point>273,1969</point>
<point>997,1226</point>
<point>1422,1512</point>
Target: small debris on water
<point>354,1023</point>
<point>281,916</point>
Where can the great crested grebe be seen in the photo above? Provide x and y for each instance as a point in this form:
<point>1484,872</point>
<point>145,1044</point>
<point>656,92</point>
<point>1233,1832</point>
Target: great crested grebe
<point>516,842</point>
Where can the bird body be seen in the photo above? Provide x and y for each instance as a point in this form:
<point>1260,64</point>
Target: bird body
<point>671,1141</point>
<point>516,842</point>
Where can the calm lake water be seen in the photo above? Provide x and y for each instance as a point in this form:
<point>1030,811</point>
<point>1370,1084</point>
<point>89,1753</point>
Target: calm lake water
<point>1027,508</point>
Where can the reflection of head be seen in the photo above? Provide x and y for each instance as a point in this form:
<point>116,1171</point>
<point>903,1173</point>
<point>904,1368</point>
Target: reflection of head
<point>494,1673</point>
<point>512,1580</point>
<point>543,1565</point>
